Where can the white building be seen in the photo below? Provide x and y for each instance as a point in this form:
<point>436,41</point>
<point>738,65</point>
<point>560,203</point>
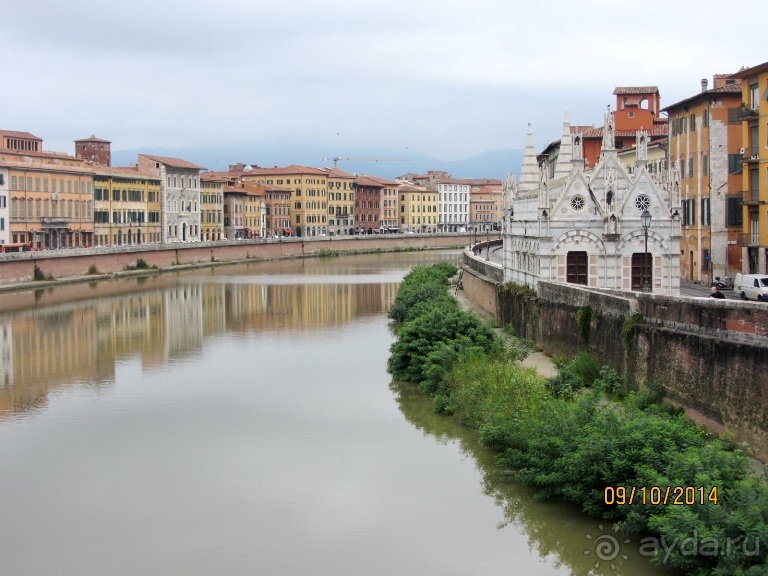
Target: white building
<point>180,196</point>
<point>584,226</point>
<point>452,204</point>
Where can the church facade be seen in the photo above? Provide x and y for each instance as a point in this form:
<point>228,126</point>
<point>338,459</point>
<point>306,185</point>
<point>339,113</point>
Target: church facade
<point>586,227</point>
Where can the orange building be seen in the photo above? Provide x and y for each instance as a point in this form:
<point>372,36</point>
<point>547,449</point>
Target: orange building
<point>50,194</point>
<point>704,145</point>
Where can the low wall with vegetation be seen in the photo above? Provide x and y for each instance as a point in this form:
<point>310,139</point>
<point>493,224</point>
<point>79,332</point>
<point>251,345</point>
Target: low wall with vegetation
<point>711,357</point>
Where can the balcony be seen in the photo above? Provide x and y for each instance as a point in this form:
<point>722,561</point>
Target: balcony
<point>748,239</point>
<point>746,113</point>
<point>752,198</point>
<point>51,223</point>
<point>751,154</point>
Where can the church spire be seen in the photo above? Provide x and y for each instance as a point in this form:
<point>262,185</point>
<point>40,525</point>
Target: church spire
<point>565,154</point>
<point>609,133</point>
<point>529,174</point>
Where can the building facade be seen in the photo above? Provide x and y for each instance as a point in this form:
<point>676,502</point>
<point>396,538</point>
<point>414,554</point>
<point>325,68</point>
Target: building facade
<point>418,208</point>
<point>587,227</point>
<point>389,211</point>
<point>50,194</point>
<point>309,187</point>
<point>341,202</point>
<point>704,143</point>
<point>180,196</point>
<point>453,200</point>
<point>754,150</point>
<point>122,198</point>
<point>367,205</point>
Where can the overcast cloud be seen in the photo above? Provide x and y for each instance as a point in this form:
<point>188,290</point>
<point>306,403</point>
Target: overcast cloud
<point>449,78</point>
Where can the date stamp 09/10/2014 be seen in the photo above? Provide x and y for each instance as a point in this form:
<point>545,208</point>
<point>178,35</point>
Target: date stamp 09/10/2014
<point>660,495</point>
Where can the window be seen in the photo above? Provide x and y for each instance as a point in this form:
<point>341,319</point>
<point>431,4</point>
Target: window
<point>705,217</point>
<point>734,211</point>
<point>690,167</point>
<point>705,165</point>
<point>734,163</point>
<point>705,118</point>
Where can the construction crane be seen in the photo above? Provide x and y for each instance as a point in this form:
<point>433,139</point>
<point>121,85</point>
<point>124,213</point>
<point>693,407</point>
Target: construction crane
<point>336,160</point>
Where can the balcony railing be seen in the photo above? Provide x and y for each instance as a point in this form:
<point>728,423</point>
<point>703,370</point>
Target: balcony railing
<point>746,113</point>
<point>752,198</point>
<point>55,222</point>
<point>751,154</point>
<point>748,239</point>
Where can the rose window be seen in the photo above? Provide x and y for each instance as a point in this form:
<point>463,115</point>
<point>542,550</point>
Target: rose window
<point>578,202</point>
<point>642,202</point>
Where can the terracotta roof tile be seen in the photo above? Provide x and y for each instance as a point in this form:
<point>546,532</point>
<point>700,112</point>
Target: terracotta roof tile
<point>174,162</point>
<point>726,89</point>
<point>14,134</point>
<point>382,181</point>
<point>618,91</point>
<point>287,170</point>
<point>93,139</point>
<point>123,171</point>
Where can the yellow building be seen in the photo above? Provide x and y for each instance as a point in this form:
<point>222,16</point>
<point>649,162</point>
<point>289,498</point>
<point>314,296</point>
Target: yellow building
<point>341,202</point>
<point>309,187</point>
<point>418,208</point>
<point>753,115</point>
<point>126,206</point>
<point>50,194</point>
<point>212,204</point>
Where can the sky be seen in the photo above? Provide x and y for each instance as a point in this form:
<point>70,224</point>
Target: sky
<point>447,78</point>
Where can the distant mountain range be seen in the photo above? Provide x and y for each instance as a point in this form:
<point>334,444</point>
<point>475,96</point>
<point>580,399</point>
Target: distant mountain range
<point>489,164</point>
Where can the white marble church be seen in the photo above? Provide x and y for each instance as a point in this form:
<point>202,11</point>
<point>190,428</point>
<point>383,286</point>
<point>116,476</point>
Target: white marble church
<point>585,227</point>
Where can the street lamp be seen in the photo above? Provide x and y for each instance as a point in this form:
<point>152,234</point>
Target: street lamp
<point>487,244</point>
<point>645,220</point>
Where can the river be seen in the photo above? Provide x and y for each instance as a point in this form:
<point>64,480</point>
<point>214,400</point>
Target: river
<point>240,420</point>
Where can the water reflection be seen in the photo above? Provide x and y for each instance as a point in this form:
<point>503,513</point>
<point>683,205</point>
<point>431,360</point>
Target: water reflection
<point>555,531</point>
<point>66,335</point>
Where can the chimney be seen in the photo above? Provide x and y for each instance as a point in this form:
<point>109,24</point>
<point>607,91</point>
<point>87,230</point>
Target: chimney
<point>704,84</point>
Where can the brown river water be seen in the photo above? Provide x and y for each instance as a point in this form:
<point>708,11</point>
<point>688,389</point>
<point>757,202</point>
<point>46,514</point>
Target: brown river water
<point>240,420</point>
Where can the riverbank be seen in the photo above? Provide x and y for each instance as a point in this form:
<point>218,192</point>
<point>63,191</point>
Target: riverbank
<point>536,359</point>
<point>635,462</point>
<point>42,270</point>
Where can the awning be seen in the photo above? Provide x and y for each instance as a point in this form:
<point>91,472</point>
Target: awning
<point>287,230</point>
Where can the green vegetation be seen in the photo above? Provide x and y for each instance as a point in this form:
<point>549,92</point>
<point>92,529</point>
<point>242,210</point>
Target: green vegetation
<point>92,270</point>
<point>584,317</point>
<point>38,274</point>
<point>628,329</point>
<point>564,437</point>
<point>326,253</point>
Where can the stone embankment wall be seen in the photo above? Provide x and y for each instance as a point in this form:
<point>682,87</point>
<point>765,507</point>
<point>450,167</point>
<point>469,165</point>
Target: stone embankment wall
<point>710,356</point>
<point>68,263</point>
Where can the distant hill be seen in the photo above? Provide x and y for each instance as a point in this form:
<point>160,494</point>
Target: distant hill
<point>489,164</point>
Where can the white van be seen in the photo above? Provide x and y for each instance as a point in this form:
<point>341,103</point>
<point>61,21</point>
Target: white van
<point>751,287</point>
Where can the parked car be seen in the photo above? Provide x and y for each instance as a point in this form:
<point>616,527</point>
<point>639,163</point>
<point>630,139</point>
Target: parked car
<point>751,286</point>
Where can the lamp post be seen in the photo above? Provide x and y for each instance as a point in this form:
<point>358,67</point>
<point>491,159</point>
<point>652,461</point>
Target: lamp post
<point>487,244</point>
<point>645,220</point>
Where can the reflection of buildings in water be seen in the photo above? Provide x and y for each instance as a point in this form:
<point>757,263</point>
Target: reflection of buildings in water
<point>374,298</point>
<point>288,306</point>
<point>183,320</point>
<point>51,348</point>
<point>214,310</point>
<point>81,341</point>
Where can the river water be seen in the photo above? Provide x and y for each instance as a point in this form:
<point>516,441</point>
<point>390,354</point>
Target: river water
<point>240,420</point>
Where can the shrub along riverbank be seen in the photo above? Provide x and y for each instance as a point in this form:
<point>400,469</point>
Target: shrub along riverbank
<point>696,502</point>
